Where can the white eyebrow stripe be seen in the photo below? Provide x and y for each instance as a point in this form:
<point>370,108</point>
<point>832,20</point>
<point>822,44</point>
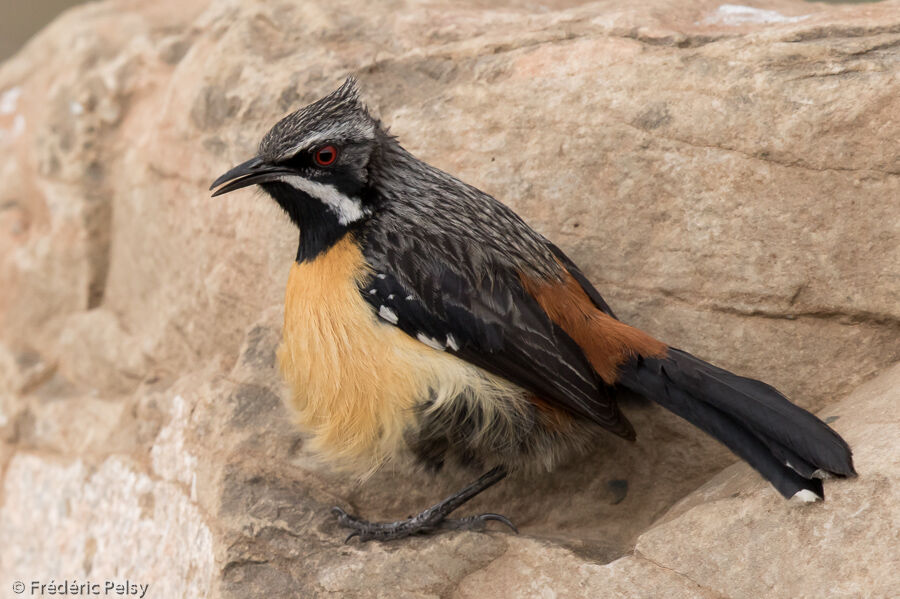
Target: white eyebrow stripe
<point>331,134</point>
<point>348,210</point>
<point>308,143</point>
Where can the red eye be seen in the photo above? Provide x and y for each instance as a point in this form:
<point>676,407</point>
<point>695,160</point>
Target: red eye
<point>326,155</point>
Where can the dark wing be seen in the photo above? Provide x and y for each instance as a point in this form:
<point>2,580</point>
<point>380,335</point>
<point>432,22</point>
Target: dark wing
<point>491,322</point>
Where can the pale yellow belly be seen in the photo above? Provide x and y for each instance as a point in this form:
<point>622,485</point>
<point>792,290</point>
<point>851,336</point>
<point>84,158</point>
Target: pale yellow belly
<point>354,379</point>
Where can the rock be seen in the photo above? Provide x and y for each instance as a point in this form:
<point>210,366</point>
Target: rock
<point>110,523</point>
<point>734,538</point>
<point>726,174</point>
<point>530,569</point>
<point>844,547</point>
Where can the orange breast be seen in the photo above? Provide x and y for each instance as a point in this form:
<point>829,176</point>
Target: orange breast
<point>355,379</point>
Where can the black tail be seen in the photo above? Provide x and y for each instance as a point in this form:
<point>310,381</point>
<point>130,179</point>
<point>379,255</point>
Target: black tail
<point>789,446</point>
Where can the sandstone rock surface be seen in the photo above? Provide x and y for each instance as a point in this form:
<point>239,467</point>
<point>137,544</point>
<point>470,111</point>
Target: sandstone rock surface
<point>727,175</point>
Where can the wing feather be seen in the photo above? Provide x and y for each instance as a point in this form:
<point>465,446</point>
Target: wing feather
<point>491,321</point>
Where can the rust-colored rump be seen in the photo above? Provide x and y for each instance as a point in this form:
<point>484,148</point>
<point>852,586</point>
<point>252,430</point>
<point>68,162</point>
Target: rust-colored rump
<point>605,341</point>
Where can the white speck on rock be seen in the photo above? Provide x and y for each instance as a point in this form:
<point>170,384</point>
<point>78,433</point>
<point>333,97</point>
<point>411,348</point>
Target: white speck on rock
<point>76,108</point>
<point>9,100</point>
<point>736,14</point>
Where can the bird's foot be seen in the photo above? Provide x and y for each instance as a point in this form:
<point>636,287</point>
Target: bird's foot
<point>429,521</point>
<point>424,523</point>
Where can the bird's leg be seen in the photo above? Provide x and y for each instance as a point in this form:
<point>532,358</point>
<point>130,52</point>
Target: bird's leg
<point>431,519</point>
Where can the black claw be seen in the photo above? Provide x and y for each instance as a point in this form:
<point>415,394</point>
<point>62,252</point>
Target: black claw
<point>500,518</point>
<point>351,535</point>
<point>476,523</point>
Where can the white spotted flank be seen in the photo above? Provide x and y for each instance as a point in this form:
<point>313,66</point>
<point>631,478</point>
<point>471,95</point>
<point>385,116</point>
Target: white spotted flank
<point>430,342</point>
<point>387,314</point>
<point>451,342</point>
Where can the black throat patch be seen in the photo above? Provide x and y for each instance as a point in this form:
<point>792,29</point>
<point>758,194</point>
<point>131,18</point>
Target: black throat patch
<point>318,224</point>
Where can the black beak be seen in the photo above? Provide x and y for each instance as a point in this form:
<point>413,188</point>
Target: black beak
<point>247,173</point>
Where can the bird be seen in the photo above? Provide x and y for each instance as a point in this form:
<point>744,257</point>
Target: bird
<point>425,322</point>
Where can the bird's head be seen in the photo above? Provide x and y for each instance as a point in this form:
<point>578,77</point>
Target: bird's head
<point>314,163</point>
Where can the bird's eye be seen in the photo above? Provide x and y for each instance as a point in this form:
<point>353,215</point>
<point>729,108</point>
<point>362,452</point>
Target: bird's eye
<point>326,155</point>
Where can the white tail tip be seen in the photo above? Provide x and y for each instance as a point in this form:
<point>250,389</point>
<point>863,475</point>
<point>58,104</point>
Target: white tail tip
<point>806,496</point>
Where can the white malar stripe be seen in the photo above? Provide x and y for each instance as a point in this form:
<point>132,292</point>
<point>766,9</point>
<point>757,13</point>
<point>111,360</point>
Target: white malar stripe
<point>806,496</point>
<point>451,342</point>
<point>348,210</point>
<point>430,342</point>
<point>387,314</point>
